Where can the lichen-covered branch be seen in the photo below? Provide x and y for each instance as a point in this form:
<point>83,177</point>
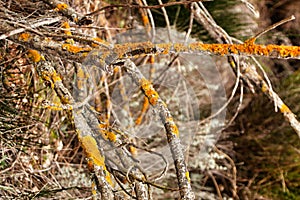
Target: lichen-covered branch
<point>248,71</point>
<point>84,82</point>
<point>170,127</point>
<point>85,133</point>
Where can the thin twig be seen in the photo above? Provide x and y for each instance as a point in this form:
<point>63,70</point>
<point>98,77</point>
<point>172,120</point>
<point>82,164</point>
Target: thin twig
<point>43,22</point>
<point>147,7</point>
<point>273,26</point>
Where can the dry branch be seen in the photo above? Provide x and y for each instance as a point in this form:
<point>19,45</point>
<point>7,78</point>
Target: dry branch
<point>170,126</point>
<point>249,73</point>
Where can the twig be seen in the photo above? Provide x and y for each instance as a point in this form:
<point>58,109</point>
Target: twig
<point>167,20</point>
<point>216,185</point>
<point>273,26</point>
<point>45,21</point>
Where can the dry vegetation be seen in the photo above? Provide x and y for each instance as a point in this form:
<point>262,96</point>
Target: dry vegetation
<point>81,118</point>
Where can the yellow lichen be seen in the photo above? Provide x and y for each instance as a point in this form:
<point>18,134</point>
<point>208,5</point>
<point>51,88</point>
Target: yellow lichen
<point>187,175</point>
<point>57,107</point>
<point>107,177</point>
<point>264,87</point>
<point>90,147</point>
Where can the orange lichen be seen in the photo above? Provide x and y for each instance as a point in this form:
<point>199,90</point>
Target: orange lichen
<point>100,41</point>
<point>172,126</point>
<point>149,91</point>
<point>145,107</point>
<point>197,46</point>
<point>51,76</point>
<point>165,47</point>
<point>146,23</point>
<point>121,49</point>
<point>132,150</point>
<point>250,41</point>
<point>145,20</point>
<point>35,56</point>
<point>116,69</point>
<point>180,47</point>
<point>144,16</point>
<point>74,49</point>
<point>106,134</point>
<point>219,49</point>
<point>61,6</point>
<point>90,165</point>
<point>111,136</point>
<point>103,126</point>
<point>295,51</point>
<point>284,109</point>
<point>152,61</point>
<point>67,27</point>
<point>233,49</point>
<point>247,48</point>
<point>138,121</point>
<point>24,37</point>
